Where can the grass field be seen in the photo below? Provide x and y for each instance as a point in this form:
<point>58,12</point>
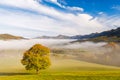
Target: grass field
<point>63,69</point>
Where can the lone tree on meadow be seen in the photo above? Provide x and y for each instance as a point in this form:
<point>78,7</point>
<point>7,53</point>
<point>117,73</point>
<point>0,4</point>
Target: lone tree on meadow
<point>36,58</point>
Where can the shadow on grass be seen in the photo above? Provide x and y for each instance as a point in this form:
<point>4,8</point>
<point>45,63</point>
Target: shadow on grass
<point>13,74</point>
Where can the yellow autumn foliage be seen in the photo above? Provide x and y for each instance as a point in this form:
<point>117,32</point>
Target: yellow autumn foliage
<point>36,58</point>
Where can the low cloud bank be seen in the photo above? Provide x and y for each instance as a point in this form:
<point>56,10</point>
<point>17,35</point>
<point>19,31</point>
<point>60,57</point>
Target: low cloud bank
<point>25,44</point>
<point>51,43</point>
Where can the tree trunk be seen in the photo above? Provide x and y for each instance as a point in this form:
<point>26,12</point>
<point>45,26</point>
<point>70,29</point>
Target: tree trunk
<point>37,71</point>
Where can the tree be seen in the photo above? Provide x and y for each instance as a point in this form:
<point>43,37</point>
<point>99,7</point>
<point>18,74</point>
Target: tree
<point>36,58</point>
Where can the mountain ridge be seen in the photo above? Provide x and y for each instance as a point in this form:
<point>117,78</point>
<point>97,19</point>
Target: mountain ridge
<point>110,35</point>
<point>113,33</point>
<point>54,37</point>
<point>9,37</point>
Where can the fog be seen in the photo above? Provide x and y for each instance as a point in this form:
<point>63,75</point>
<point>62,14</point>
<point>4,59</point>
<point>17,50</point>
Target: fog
<point>52,43</point>
<point>25,44</point>
<point>12,50</point>
<point>85,45</point>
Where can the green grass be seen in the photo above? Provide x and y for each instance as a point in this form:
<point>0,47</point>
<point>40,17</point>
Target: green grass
<point>64,69</point>
<point>96,75</point>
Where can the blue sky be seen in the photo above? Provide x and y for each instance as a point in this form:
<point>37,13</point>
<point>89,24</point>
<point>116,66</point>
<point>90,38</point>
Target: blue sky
<point>95,6</point>
<point>31,18</point>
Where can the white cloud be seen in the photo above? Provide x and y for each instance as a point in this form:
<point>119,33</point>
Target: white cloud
<point>101,13</point>
<point>66,7</point>
<point>109,22</point>
<point>117,7</point>
<point>75,8</point>
<point>54,1</point>
<point>49,20</point>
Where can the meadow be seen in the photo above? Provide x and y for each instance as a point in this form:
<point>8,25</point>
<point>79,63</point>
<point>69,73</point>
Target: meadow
<point>62,68</point>
<point>66,69</point>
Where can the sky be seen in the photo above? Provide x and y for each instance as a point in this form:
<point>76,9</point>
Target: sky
<point>33,18</point>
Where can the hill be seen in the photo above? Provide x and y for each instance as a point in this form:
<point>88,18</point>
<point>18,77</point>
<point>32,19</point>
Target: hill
<point>68,70</point>
<point>8,37</point>
<point>109,33</point>
<point>105,36</point>
<point>54,37</point>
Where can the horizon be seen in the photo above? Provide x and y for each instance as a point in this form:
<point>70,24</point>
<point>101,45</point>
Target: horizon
<point>57,34</point>
<point>32,18</point>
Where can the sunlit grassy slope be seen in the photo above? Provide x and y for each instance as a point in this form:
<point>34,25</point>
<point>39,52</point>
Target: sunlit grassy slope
<point>63,69</point>
<point>76,65</point>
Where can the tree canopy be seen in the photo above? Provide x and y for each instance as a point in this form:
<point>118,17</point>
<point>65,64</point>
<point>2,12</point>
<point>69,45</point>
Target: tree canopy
<point>36,58</point>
